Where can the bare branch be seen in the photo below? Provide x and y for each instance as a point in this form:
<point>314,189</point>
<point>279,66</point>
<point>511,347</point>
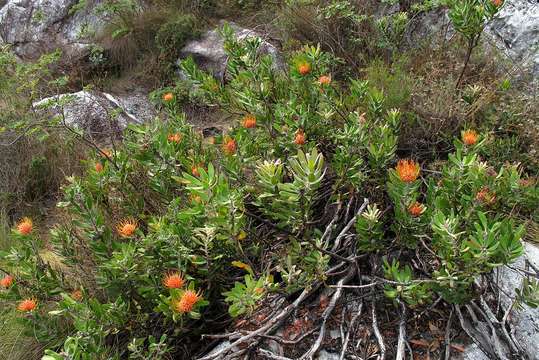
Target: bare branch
<point>350,328</point>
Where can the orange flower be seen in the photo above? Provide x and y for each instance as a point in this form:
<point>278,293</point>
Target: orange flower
<point>176,138</point>
<point>229,147</point>
<point>304,68</point>
<point>259,290</point>
<point>6,281</point>
<point>324,80</point>
<point>126,228</point>
<point>98,167</point>
<point>407,170</point>
<point>173,280</point>
<point>469,137</point>
<point>168,97</point>
<point>300,138</point>
<point>27,305</point>
<point>106,153</point>
<point>76,295</point>
<point>194,171</point>
<point>416,209</point>
<point>497,3</point>
<point>485,196</point>
<point>25,226</point>
<point>249,121</point>
<point>186,302</point>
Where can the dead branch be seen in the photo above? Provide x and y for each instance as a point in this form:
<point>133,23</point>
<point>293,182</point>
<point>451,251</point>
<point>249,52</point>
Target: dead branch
<point>447,338</point>
<point>270,326</point>
<point>270,355</point>
<point>402,334</point>
<point>352,221</point>
<point>377,333</point>
<point>494,340</point>
<point>350,328</point>
<point>327,313</point>
<point>477,337</point>
<point>491,318</point>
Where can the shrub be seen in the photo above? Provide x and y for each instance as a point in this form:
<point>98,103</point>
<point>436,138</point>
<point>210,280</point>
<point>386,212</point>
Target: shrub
<point>152,35</point>
<point>169,228</point>
<point>351,30</point>
<point>33,159</point>
<point>174,33</point>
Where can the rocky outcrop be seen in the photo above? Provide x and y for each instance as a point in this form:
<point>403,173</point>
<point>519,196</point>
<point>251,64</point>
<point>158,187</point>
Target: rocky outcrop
<point>514,31</point>
<point>34,27</point>
<point>98,114</point>
<point>209,53</point>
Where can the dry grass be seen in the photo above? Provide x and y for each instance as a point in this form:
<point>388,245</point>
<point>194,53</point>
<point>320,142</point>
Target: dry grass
<point>14,345</point>
<point>31,172</point>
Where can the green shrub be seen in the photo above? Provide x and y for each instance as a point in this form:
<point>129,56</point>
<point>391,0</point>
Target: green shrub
<point>161,230</point>
<point>174,33</point>
<point>393,80</point>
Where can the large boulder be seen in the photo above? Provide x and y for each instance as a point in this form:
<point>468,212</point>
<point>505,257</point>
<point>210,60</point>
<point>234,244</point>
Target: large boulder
<point>209,53</point>
<point>98,114</point>
<point>516,31</point>
<point>34,27</point>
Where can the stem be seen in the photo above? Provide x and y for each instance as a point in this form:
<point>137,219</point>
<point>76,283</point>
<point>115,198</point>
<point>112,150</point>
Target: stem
<point>471,46</point>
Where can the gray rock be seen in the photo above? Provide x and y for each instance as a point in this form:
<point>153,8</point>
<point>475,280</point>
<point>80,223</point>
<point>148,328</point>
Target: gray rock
<point>209,53</point>
<point>136,102</point>
<point>514,31</point>
<point>34,27</point>
<point>97,114</point>
<point>524,321</point>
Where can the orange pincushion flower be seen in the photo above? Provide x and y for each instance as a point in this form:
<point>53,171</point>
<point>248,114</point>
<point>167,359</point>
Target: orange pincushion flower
<point>485,196</point>
<point>229,147</point>
<point>324,80</point>
<point>25,226</point>
<point>76,295</point>
<point>304,68</point>
<point>27,305</point>
<point>497,3</point>
<point>6,281</point>
<point>249,121</point>
<point>186,302</point>
<point>416,209</point>
<point>175,138</point>
<point>127,227</point>
<point>300,138</point>
<point>194,171</point>
<point>168,97</point>
<point>173,280</point>
<point>469,137</point>
<point>98,167</point>
<point>407,170</point>
<point>259,290</point>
